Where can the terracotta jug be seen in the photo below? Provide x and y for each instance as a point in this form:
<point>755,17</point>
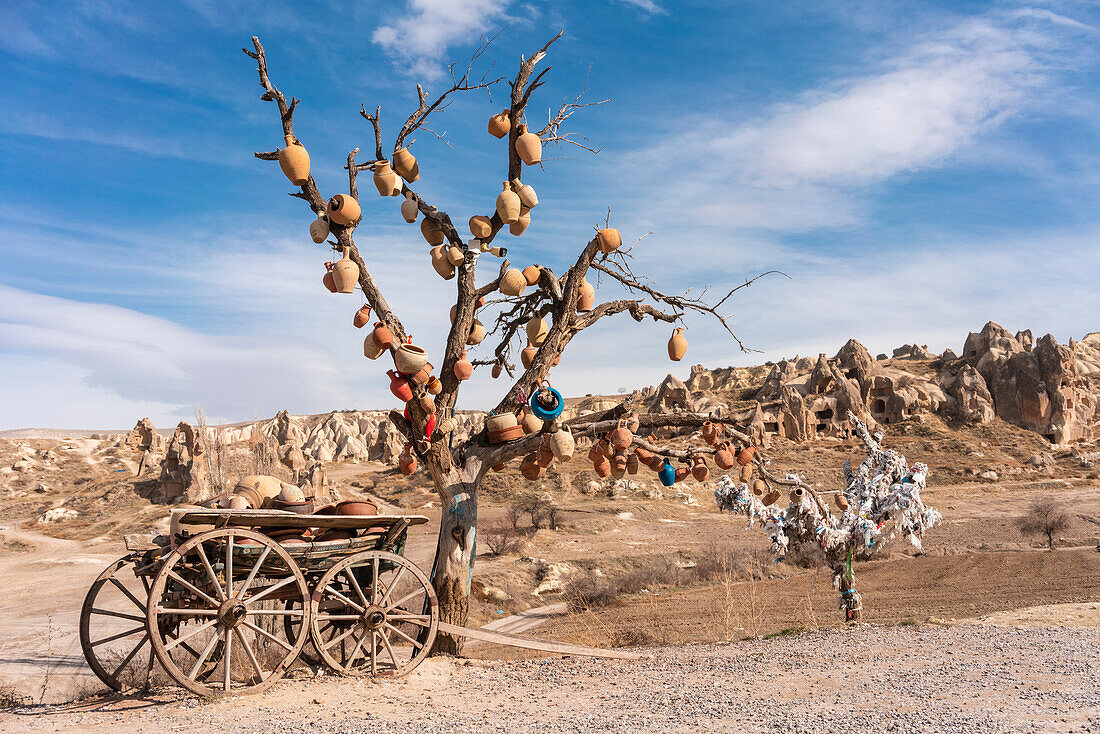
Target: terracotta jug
<point>530,422</point>
<point>407,462</point>
<point>770,498</point>
<point>527,356</point>
<point>531,274</point>
<point>481,226</point>
<point>520,226</point>
<point>544,455</point>
<point>699,470</point>
<point>797,494</point>
<point>682,473</point>
<point>643,456</point>
<point>362,316</point>
<point>633,422</point>
<point>384,178</point>
<point>602,467</point>
<point>620,436</point>
<point>463,367</point>
<point>677,345</point>
<point>319,228</point>
<point>345,273</point>
<point>420,377</point>
<point>328,280</point>
<point>455,255</point>
<point>399,386</point>
<point>294,160</point>
<point>526,194</point>
<point>409,359</point>
<point>477,333</point>
<point>632,463</point>
<point>434,386</point>
<point>500,124</point>
<point>442,263</point>
<point>562,444</point>
<point>528,147</point>
<point>745,455</point>
<point>512,283</point>
<point>343,209</point>
<point>497,369</point>
<point>586,298</point>
<point>759,488</point>
<point>383,337</point>
<point>508,205</point>
<point>409,209</point>
<point>841,502</point>
<point>746,473</point>
<point>711,432</point>
<point>432,231</point>
<point>595,451</point>
<point>537,330</point>
<point>406,166</point>
<point>371,349</point>
<point>609,240</point>
<point>501,421</point>
<point>723,457</point>
<point>530,468</point>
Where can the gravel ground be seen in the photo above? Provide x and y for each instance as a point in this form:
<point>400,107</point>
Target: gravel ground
<point>964,678</point>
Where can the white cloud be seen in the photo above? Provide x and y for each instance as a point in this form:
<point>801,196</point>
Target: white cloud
<point>646,6</point>
<point>420,38</point>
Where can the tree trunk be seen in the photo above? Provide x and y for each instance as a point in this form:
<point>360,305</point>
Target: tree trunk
<point>455,551</point>
<point>850,603</point>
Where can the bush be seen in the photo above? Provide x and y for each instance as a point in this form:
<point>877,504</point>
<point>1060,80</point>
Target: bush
<point>501,539</point>
<point>586,590</point>
<point>1045,516</point>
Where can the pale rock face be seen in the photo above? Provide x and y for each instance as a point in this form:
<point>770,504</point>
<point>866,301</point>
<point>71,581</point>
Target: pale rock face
<point>552,576</point>
<point>973,402</point>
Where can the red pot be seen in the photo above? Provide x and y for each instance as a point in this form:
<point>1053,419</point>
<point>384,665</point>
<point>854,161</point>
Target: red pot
<point>399,386</point>
<point>329,280</point>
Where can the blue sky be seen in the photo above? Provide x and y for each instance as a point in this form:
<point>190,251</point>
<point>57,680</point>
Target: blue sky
<point>917,168</point>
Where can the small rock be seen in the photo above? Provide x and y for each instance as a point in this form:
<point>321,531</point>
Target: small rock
<point>990,475</point>
<point>58,514</point>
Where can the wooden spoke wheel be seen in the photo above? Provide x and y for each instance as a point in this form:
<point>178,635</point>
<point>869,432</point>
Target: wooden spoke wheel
<point>222,594</point>
<point>113,634</point>
<point>373,613</point>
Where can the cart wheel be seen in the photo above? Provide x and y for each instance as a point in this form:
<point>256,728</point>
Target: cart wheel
<point>222,591</point>
<point>373,613</point>
<point>113,634</point>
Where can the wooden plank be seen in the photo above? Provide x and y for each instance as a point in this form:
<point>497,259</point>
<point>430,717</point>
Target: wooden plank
<point>561,648</point>
<point>283,519</point>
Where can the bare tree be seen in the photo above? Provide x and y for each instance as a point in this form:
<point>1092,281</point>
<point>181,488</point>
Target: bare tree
<point>457,471</point>
<point>1045,516</point>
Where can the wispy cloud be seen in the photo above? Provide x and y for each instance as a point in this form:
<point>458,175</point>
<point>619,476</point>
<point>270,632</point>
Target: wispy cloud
<point>649,7</point>
<point>419,39</point>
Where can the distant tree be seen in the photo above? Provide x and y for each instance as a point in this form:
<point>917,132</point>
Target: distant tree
<point>1046,516</point>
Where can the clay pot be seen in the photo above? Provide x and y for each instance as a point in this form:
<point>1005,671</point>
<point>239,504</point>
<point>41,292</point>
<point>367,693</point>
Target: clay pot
<point>521,224</point>
<point>409,209</point>
<point>746,473</point>
<point>711,432</point>
<point>239,502</point>
<point>291,494</point>
<point>420,377</point>
<point>620,436</point>
<point>527,356</point>
<point>383,337</point>
<point>384,178</point>
<point>633,422</point>
<point>345,273</point>
<point>455,255</point>
<point>531,423</point>
<point>371,348</point>
<point>586,298</point>
<point>400,386</point>
<point>745,455</point>
<point>526,194</point>
<point>699,469</point>
<point>500,124</point>
<point>797,494</point>
<point>677,345</point>
<point>508,205</point>
<point>409,359</point>
<point>432,231</point>
<point>424,400</point>
<point>497,467</point>
<point>506,434</point>
<point>319,228</point>
<point>841,502</point>
<point>682,473</point>
<point>406,166</point>
<point>501,421</point>
<point>481,226</point>
<point>602,467</point>
<point>562,444</point>
<point>512,283</point>
<point>362,316</point>
<point>304,507</point>
<point>477,333</point>
<point>441,263</point>
<point>537,330</point>
<point>530,468</point>
<point>289,536</point>
<point>723,457</point>
<point>632,463</point>
<point>609,240</point>
<point>407,462</point>
<point>463,367</point>
<point>447,425</point>
<point>328,280</point>
<point>531,274</point>
<point>643,456</point>
<point>336,534</point>
<point>294,160</point>
<point>770,498</point>
<point>528,147</point>
<point>342,209</point>
<point>497,369</point>
<point>433,385</point>
<point>544,455</point>
<point>356,507</point>
<point>759,488</point>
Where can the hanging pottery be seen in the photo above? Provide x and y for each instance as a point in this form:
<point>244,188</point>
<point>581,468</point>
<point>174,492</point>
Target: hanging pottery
<point>409,358</point>
<point>406,166</point>
<point>520,226</point>
<point>371,348</point>
<point>643,456</point>
<point>633,422</point>
<point>586,299</point>
<point>527,356</point>
<point>711,431</point>
<point>677,345</point>
<point>759,488</point>
<point>500,124</point>
<point>384,178</point>
<point>841,502</point>
<point>745,455</point>
<point>682,473</point>
<point>481,226</point>
<point>666,474</point>
<point>426,403</point>
<point>528,147</point>
<point>530,468</point>
<point>441,263</point>
<point>343,209</point>
<point>723,457</point>
<point>508,205</point>
<point>537,330</point>
<point>501,421</point>
<point>544,455</point>
<point>463,367</point>
<point>455,255</point>
<point>746,473</point>
<point>345,273</point>
<point>432,231</point>
<point>328,280</point>
<point>609,240</point>
<point>294,160</point>
<point>531,274</point>
<point>796,495</point>
<point>319,228</point>
<point>546,403</point>
<point>447,426</point>
<point>602,467</point>
<point>497,369</point>
<point>530,422</point>
<point>407,462</point>
<point>420,377</point>
<point>526,194</point>
<point>512,283</point>
<point>362,316</point>
<point>618,466</point>
<point>770,498</point>
<point>620,436</point>
<point>632,463</point>
<point>383,337</point>
<point>562,444</point>
<point>409,209</point>
<point>477,333</point>
<point>699,470</point>
<point>399,386</point>
<point>434,386</point>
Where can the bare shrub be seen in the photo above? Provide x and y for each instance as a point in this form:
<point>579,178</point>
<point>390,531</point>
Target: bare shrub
<point>501,539</point>
<point>1046,516</point>
<point>586,590</point>
<point>657,572</point>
